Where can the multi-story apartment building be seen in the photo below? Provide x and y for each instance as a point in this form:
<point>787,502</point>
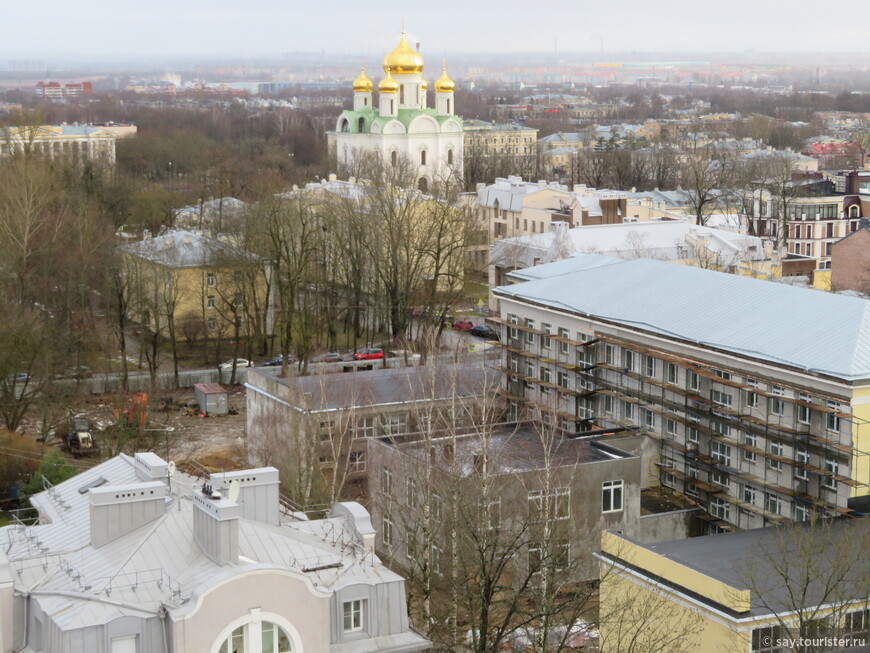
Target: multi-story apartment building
<point>814,223</point>
<point>753,394</point>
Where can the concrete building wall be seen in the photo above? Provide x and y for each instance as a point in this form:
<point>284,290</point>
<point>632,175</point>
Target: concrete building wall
<point>850,262</point>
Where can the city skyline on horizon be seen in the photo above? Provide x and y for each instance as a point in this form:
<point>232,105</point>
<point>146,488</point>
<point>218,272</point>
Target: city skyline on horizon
<point>267,28</point>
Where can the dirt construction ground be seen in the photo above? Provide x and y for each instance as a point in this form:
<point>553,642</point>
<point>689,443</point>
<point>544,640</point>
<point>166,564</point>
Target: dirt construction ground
<point>215,442</point>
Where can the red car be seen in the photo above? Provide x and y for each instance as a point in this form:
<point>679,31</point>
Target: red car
<point>463,325</point>
<point>368,354</point>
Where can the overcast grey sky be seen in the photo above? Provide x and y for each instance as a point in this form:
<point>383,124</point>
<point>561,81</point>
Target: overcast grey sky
<point>269,27</point>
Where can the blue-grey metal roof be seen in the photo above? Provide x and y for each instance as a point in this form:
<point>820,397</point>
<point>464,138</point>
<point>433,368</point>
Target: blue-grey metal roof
<point>811,330</point>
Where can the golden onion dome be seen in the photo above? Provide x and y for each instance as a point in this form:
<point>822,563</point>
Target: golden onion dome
<point>403,60</point>
<point>444,83</point>
<point>363,83</point>
<point>388,84</point>
<point>424,85</point>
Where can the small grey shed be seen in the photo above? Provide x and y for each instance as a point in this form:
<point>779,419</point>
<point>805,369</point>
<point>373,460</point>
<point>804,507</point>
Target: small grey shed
<point>211,397</point>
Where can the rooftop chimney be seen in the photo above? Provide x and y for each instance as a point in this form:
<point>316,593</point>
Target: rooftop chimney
<point>258,492</point>
<point>150,467</point>
<point>120,509</point>
<point>216,525</point>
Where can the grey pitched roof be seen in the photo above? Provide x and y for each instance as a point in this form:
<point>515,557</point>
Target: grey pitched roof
<point>183,249</point>
<point>806,329</point>
<point>159,563</point>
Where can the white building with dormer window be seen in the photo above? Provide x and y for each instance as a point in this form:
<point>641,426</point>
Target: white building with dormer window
<point>402,125</point>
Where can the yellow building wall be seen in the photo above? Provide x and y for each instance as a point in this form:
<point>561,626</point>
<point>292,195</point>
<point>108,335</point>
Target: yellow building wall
<point>861,440</point>
<point>822,279</point>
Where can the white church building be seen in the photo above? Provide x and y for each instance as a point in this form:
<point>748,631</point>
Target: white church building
<point>402,125</point>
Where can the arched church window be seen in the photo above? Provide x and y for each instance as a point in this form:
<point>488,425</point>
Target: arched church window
<point>365,101</point>
<point>450,157</point>
<point>423,157</point>
<point>853,211</point>
<point>361,125</point>
<point>394,158</point>
<point>345,125</point>
<point>392,107</point>
<point>423,184</point>
<point>401,94</point>
<point>448,105</point>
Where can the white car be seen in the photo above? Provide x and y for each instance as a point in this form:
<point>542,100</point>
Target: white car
<point>240,362</point>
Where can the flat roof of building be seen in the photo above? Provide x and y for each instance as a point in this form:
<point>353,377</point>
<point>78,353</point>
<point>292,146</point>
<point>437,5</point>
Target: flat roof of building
<point>510,450</point>
<point>370,388</point>
<point>811,330</point>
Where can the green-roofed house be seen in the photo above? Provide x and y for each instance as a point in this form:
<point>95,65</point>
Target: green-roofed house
<point>402,125</point>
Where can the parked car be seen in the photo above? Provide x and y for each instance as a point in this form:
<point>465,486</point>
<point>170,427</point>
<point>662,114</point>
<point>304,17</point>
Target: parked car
<point>240,362</point>
<point>328,357</point>
<point>484,331</point>
<point>463,325</point>
<point>277,360</point>
<point>368,354</point>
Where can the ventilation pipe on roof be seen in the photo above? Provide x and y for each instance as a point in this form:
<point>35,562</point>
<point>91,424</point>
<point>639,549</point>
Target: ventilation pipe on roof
<point>216,525</point>
<point>120,509</point>
<point>258,492</point>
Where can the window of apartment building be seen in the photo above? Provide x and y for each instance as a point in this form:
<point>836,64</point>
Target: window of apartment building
<point>748,494</point>
<point>608,404</point>
<point>775,404</point>
<point>722,374</point>
<point>273,639</point>
<point>410,492</point>
<point>493,515</point>
<point>530,337</point>
<point>775,449</point>
<point>832,467</point>
<point>353,615</point>
<point>545,374</point>
<point>525,224</point>
<point>212,324</point>
<point>693,471</point>
<point>722,398</point>
<point>211,280</point>
<point>772,503</point>
<point>802,457</point>
<point>719,508</point>
<point>648,418</point>
<point>628,359</point>
<point>512,330</point>
<point>691,489</point>
<point>628,410</point>
<point>584,356</point>
<point>212,302</point>
<point>693,381</point>
<point>832,421</point>
<point>721,452</point>
<point>326,429</point>
<point>804,413</point>
<point>550,505</point>
<point>672,373</point>
<point>546,341</point>
<point>801,513</point>
<point>364,428</point>
<point>386,482</point>
<point>649,366</point>
<point>562,378</point>
<point>437,507</point>
<point>356,462</point>
<point>564,347</point>
<point>388,529</point>
<point>752,440</point>
<point>436,554</point>
<point>719,478</point>
<point>857,623</point>
<point>720,428</point>
<point>769,639</point>
<point>530,374</point>
<point>395,424</point>
<point>751,397</point>
<point>609,354</point>
<point>611,496</point>
<point>693,435</point>
<point>671,426</point>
